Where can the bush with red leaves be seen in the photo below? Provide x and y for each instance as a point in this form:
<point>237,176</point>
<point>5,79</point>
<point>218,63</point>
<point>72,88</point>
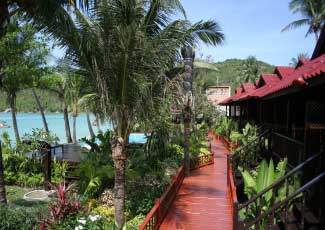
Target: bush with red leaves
<point>64,206</point>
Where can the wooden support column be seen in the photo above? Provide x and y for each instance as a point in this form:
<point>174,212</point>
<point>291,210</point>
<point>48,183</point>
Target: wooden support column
<point>289,120</point>
<point>47,168</point>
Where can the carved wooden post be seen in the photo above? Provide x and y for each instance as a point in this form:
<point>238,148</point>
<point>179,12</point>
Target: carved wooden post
<point>3,198</point>
<point>188,56</point>
<point>47,167</point>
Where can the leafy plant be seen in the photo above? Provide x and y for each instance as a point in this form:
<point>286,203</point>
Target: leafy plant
<point>16,219</point>
<point>225,126</point>
<point>59,170</point>
<point>37,139</point>
<point>64,206</point>
<point>254,183</point>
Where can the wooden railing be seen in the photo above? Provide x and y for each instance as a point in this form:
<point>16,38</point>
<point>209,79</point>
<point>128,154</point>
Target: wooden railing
<point>232,190</point>
<point>203,160</point>
<point>283,146</point>
<point>269,216</point>
<point>157,214</point>
<point>248,155</point>
<point>253,205</point>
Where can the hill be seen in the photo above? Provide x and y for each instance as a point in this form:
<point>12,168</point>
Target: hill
<point>230,71</point>
<point>26,101</point>
<point>221,73</point>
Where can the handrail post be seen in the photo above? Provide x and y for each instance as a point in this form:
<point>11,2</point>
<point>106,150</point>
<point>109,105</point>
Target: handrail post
<point>228,166</point>
<point>235,216</point>
<point>157,202</point>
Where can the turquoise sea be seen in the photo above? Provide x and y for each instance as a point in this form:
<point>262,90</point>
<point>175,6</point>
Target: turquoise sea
<point>28,121</point>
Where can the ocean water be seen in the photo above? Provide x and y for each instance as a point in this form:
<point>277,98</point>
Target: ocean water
<point>28,121</point>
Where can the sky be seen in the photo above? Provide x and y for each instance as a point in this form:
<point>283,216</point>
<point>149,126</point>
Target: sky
<point>252,27</point>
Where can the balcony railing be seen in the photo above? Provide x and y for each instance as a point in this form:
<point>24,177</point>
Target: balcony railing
<point>283,146</point>
<point>253,205</point>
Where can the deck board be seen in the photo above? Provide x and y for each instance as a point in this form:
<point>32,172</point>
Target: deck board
<point>203,201</point>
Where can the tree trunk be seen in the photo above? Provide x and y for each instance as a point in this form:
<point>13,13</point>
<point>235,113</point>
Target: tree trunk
<point>118,154</point>
<point>66,123</point>
<point>91,131</point>
<point>187,125</point>
<point>3,199</point>
<point>74,129</point>
<point>41,109</point>
<point>12,102</point>
<point>98,124</point>
<point>4,17</point>
<point>316,36</point>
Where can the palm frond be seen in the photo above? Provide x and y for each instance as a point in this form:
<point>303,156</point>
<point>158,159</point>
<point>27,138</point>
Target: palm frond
<point>296,24</point>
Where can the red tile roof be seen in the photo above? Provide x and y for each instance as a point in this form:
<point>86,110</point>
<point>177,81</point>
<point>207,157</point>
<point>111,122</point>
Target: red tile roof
<point>284,71</point>
<point>309,70</point>
<point>248,87</point>
<point>270,78</point>
<point>282,78</point>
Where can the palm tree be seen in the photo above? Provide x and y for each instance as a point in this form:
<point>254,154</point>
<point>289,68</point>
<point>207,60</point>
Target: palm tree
<point>89,103</point>
<point>295,60</point>
<point>73,95</point>
<point>41,109</point>
<point>125,47</point>
<point>58,84</point>
<point>250,70</point>
<point>313,12</point>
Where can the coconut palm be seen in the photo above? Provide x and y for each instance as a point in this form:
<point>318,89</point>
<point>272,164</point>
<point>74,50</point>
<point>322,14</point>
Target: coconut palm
<point>125,47</point>
<point>313,12</point>
<point>250,70</point>
<point>89,104</point>
<point>295,60</point>
<point>38,10</point>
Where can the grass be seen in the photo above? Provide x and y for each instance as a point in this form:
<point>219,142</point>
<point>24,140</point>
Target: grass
<point>15,199</point>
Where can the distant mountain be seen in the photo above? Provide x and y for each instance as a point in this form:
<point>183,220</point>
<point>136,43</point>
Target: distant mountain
<point>229,72</point>
<point>26,102</point>
<point>221,73</point>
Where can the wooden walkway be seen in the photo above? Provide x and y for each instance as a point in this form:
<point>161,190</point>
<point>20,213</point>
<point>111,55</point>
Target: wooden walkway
<point>203,201</point>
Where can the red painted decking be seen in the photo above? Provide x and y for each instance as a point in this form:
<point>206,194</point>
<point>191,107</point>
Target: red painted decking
<point>203,201</point>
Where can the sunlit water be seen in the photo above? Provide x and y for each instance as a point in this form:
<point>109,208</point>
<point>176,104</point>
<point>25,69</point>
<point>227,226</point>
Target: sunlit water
<point>28,121</point>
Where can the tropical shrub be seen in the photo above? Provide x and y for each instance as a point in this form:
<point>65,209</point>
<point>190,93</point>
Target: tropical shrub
<point>257,181</point>
<point>59,170</point>
<point>64,207</point>
<point>16,218</point>
<point>96,170</point>
<point>225,126</point>
<point>83,221</point>
<point>35,140</point>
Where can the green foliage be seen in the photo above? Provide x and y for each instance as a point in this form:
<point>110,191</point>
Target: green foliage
<point>22,55</point>
<point>225,126</point>
<point>230,71</point>
<point>256,182</point>
<point>313,16</point>
<point>96,170</point>
<point>35,140</point>
<point>83,221</point>
<point>26,101</point>
<point>16,218</point>
<point>59,170</point>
